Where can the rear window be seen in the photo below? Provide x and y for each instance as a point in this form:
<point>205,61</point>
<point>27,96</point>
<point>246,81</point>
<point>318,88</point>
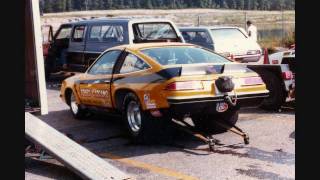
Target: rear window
<point>183,55</point>
<point>153,31</point>
<point>196,36</point>
<point>227,33</point>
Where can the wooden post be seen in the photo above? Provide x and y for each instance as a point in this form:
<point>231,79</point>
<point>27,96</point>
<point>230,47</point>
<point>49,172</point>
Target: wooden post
<point>38,55</point>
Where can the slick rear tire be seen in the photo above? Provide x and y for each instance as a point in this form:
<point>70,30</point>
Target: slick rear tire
<point>142,127</point>
<point>276,93</point>
<point>207,123</point>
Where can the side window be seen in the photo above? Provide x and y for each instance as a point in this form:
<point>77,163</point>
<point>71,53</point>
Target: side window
<point>64,33</point>
<point>106,33</point>
<point>104,65</point>
<point>78,33</point>
<point>133,63</point>
<point>196,36</point>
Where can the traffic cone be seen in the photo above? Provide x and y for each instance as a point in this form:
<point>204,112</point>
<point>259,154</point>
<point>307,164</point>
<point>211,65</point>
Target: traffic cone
<point>266,57</point>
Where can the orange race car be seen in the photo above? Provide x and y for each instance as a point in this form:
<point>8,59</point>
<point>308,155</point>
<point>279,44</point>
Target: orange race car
<point>151,83</point>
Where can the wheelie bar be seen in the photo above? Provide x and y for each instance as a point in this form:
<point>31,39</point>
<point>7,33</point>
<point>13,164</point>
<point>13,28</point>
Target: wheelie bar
<point>205,138</point>
<point>235,129</point>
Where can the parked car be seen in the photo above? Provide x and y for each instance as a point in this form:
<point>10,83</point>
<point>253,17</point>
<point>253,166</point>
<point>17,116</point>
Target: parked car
<point>233,42</point>
<point>147,82</point>
<point>277,58</point>
<point>229,41</point>
<point>77,44</point>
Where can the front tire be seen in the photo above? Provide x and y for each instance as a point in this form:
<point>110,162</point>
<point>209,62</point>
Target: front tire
<point>77,111</point>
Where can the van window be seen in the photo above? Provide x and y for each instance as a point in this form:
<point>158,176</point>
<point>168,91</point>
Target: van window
<point>133,63</point>
<point>106,33</point>
<point>64,33</point>
<point>78,33</point>
<point>196,36</point>
<point>154,31</point>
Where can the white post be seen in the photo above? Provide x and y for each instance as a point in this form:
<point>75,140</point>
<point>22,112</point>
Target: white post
<point>37,39</point>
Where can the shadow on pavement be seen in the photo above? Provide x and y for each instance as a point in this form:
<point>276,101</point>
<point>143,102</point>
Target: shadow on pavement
<point>260,174</point>
<point>47,169</point>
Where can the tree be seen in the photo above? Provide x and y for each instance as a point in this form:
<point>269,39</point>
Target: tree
<point>69,5</point>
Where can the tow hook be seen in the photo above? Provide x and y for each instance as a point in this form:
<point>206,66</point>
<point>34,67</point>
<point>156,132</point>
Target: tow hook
<point>231,101</point>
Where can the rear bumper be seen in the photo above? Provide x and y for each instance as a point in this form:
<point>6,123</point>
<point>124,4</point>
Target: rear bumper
<point>208,105</point>
<point>247,58</point>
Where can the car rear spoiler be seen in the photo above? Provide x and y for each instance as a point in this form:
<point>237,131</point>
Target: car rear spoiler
<point>212,69</point>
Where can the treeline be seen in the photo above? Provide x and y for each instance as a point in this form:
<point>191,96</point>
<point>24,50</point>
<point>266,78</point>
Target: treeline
<point>48,6</point>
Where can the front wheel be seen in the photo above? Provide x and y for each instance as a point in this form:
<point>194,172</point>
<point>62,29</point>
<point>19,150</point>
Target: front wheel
<point>77,111</point>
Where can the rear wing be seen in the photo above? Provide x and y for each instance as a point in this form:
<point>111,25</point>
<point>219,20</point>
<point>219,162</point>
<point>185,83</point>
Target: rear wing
<point>213,69</point>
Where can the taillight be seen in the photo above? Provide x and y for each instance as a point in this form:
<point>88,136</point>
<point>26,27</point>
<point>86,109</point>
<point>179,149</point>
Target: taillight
<point>184,85</point>
<point>287,75</point>
<point>275,61</point>
<point>252,81</point>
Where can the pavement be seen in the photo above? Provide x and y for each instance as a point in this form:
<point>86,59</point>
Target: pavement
<point>270,154</point>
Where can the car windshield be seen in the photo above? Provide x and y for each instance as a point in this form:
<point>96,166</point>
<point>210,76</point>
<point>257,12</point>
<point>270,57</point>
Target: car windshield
<point>183,55</point>
<point>154,31</point>
<point>227,34</point>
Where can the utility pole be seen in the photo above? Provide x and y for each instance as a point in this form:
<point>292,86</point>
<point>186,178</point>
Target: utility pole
<point>86,4</point>
<point>198,20</point>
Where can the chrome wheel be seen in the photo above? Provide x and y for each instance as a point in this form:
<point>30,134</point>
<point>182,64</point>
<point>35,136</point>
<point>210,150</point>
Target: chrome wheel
<point>73,104</point>
<point>134,116</point>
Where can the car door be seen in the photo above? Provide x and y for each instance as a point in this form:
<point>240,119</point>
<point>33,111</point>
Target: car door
<point>103,36</point>
<point>75,57</point>
<point>94,87</point>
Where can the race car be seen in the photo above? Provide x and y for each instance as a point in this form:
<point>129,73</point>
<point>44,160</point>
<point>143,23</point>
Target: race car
<point>149,84</point>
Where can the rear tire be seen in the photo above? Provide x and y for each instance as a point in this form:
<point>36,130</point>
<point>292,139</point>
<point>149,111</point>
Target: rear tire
<point>77,111</point>
<point>143,128</point>
<point>207,123</point>
<point>276,93</point>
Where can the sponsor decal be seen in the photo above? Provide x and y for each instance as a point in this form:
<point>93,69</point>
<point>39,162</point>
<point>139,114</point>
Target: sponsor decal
<point>98,93</point>
<point>150,104</point>
<point>85,92</point>
<point>222,107</point>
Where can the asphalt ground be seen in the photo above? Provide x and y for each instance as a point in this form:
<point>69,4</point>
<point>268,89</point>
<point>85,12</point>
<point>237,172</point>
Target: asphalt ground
<point>270,154</point>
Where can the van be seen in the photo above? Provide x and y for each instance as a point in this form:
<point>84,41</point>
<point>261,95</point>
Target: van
<point>76,45</point>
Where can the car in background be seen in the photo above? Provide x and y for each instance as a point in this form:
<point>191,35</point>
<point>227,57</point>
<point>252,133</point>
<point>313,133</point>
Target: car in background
<point>76,45</point>
<point>229,41</point>
<point>149,84</point>
<point>278,57</point>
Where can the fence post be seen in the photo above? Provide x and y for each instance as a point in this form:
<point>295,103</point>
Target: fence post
<point>245,21</point>
<point>198,20</point>
<point>282,19</point>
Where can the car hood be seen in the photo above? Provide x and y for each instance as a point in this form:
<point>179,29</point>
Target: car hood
<point>235,47</point>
